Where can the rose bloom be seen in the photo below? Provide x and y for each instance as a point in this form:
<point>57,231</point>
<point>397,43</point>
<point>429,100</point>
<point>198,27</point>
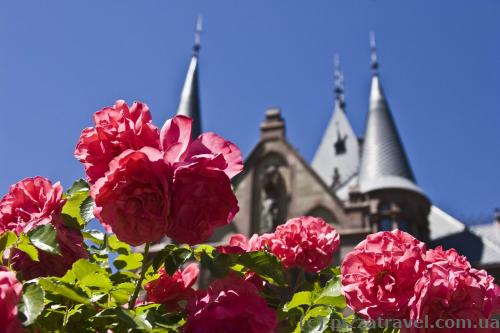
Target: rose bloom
<point>30,203</point>
<point>170,290</point>
<point>10,295</point>
<point>307,242</point>
<point>202,200</point>
<point>33,202</point>
<point>117,129</point>
<point>229,305</point>
<point>213,150</point>
<point>239,243</point>
<point>379,275</point>
<point>451,289</point>
<point>133,197</point>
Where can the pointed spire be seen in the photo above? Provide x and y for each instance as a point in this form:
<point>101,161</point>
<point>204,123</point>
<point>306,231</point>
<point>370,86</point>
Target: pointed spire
<point>189,104</point>
<point>339,82</point>
<point>384,163</point>
<point>197,35</point>
<point>373,53</point>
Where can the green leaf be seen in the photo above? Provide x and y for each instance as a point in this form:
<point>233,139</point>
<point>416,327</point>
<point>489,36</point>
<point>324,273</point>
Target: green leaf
<point>7,239</point>
<point>25,245</point>
<point>172,256</point>
<point>31,304</point>
<point>266,265</point>
<point>95,236</point>
<point>122,292</point>
<point>118,246</point>
<point>332,294</point>
<point>316,320</point>
<point>128,262</point>
<point>299,299</point>
<point>45,238</point>
<point>63,289</point>
<point>81,268</point>
<point>79,185</point>
<point>87,209</point>
<point>71,209</point>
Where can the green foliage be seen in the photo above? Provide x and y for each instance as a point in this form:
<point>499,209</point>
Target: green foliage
<point>44,238</point>
<point>172,256</point>
<point>78,209</point>
<point>7,239</point>
<point>31,304</point>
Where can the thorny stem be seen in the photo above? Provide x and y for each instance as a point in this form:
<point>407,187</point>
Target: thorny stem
<point>145,266</point>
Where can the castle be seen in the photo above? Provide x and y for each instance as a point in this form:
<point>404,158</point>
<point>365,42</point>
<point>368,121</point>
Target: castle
<point>360,185</point>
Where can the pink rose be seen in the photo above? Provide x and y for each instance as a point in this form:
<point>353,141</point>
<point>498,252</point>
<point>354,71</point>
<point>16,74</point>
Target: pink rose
<point>306,241</point>
<point>238,243</point>
<point>33,202</point>
<point>117,129</point>
<point>10,294</point>
<point>229,305</point>
<point>170,290</point>
<point>133,197</point>
<point>450,289</point>
<point>71,248</point>
<point>30,203</point>
<point>202,200</point>
<point>209,148</point>
<point>379,275</point>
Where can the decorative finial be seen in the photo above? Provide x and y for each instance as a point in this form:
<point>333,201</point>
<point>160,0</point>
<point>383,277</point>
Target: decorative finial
<point>373,50</point>
<point>197,35</point>
<point>339,81</point>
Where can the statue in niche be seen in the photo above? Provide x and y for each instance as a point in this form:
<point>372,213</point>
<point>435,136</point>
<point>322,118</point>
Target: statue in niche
<point>270,184</point>
<point>335,178</point>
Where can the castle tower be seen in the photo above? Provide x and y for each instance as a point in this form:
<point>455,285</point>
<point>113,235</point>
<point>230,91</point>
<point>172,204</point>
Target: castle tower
<point>385,175</point>
<point>189,104</point>
<point>337,159</point>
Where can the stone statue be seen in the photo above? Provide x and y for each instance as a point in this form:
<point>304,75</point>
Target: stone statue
<point>270,184</point>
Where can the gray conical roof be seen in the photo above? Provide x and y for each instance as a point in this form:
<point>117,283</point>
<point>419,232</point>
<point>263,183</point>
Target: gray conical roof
<point>384,163</point>
<point>189,104</point>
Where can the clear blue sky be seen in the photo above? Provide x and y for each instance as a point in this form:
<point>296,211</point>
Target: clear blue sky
<point>440,66</point>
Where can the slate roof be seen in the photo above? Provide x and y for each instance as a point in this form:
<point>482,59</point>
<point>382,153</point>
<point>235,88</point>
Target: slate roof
<point>384,163</point>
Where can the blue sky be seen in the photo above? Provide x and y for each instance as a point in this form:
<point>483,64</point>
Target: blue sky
<point>440,66</point>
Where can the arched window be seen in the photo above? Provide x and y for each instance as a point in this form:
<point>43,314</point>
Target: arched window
<point>324,213</point>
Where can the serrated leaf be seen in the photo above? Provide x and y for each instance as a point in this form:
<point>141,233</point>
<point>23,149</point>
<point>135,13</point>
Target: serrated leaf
<point>172,256</point>
<point>79,185</point>
<point>64,290</point>
<point>44,238</point>
<point>7,239</point>
<point>87,209</point>
<point>331,294</point>
<point>81,268</point>
<point>31,304</point>
<point>122,292</point>
<point>96,280</point>
<point>128,262</point>
<point>266,265</point>
<point>71,209</point>
<point>316,320</point>
<point>95,236</point>
<point>118,246</point>
<point>25,245</point>
<point>299,299</point>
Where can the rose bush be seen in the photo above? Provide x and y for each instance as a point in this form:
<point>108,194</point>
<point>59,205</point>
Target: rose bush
<point>57,274</point>
<point>31,203</point>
